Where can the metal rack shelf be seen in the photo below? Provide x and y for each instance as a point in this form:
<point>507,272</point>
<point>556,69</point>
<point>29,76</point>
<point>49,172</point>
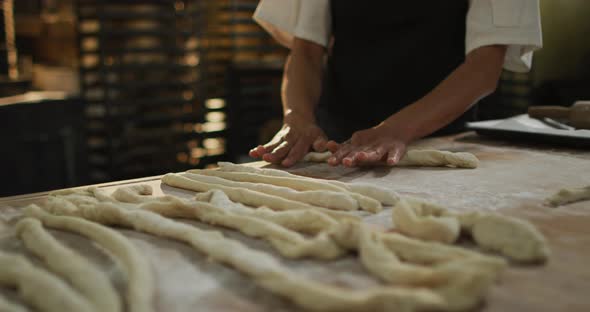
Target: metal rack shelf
<point>143,76</point>
<point>148,71</point>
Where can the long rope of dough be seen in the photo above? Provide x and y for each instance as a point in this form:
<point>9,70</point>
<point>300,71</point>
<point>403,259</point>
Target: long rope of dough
<point>6,305</point>
<point>346,234</point>
<point>435,158</point>
<point>567,196</point>
<point>249,197</point>
<point>42,290</point>
<point>302,221</point>
<point>462,280</point>
<point>514,238</point>
<point>296,183</point>
<point>266,271</point>
<point>321,198</point>
<point>406,248</point>
<point>289,243</point>
<point>380,194</point>
<point>91,283</point>
<point>140,289</point>
<point>426,158</point>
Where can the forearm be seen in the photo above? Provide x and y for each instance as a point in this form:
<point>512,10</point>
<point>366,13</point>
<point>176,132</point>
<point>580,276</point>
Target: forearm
<point>302,80</point>
<point>476,78</point>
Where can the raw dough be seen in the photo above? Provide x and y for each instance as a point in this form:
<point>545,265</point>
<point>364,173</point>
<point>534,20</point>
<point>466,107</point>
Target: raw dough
<point>289,243</point>
<point>345,233</point>
<point>9,306</point>
<point>462,282</point>
<point>249,197</point>
<point>89,281</point>
<point>517,239</point>
<point>321,198</point>
<point>263,268</point>
<point>296,183</point>
<point>568,196</point>
<point>460,276</point>
<point>514,238</point>
<point>383,195</point>
<point>42,290</point>
<point>435,158</point>
<point>463,278</point>
<point>302,221</point>
<point>412,220</point>
<point>140,288</point>
<point>319,157</point>
<point>426,158</point>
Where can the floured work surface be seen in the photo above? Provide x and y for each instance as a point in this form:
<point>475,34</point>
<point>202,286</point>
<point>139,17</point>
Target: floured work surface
<point>510,181</point>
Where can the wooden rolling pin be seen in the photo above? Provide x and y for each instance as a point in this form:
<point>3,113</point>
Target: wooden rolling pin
<point>578,115</point>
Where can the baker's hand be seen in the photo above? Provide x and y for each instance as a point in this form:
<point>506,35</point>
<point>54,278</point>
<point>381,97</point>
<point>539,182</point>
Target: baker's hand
<point>372,146</point>
<point>292,142</point>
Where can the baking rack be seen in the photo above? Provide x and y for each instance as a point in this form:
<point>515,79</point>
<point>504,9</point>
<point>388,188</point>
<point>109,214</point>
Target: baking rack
<point>142,80</point>
<point>155,78</point>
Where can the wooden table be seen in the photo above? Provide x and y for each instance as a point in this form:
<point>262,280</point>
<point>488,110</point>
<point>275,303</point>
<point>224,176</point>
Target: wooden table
<point>510,180</point>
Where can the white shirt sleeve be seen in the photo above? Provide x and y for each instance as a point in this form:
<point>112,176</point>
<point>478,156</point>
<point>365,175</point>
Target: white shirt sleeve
<point>515,23</point>
<point>305,19</point>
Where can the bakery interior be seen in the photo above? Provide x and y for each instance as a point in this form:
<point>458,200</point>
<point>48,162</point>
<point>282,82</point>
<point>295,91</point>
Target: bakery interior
<point>111,92</point>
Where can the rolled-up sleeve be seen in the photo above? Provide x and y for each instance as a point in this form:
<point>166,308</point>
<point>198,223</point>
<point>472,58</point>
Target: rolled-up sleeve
<point>286,19</point>
<point>515,23</point>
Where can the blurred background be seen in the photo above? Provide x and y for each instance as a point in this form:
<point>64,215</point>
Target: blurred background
<point>93,91</point>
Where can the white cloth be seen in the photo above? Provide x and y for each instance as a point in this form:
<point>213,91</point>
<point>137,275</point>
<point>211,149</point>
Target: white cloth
<point>515,23</point>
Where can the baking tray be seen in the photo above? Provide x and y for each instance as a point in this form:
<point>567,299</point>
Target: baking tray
<point>524,128</point>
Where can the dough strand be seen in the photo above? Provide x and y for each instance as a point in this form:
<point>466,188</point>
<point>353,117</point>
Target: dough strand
<point>321,198</point>
<point>249,197</point>
<point>463,282</point>
<point>514,238</point>
<point>289,243</point>
<point>265,270</point>
<point>89,281</point>
<point>367,194</point>
<point>463,278</point>
<point>295,182</point>
<point>569,196</point>
<point>140,288</point>
<point>300,217</point>
<point>9,306</point>
<point>42,290</point>
<point>413,221</point>
<point>302,221</point>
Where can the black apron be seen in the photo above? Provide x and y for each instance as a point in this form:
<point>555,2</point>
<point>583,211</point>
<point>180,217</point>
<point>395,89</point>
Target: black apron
<point>386,55</point>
